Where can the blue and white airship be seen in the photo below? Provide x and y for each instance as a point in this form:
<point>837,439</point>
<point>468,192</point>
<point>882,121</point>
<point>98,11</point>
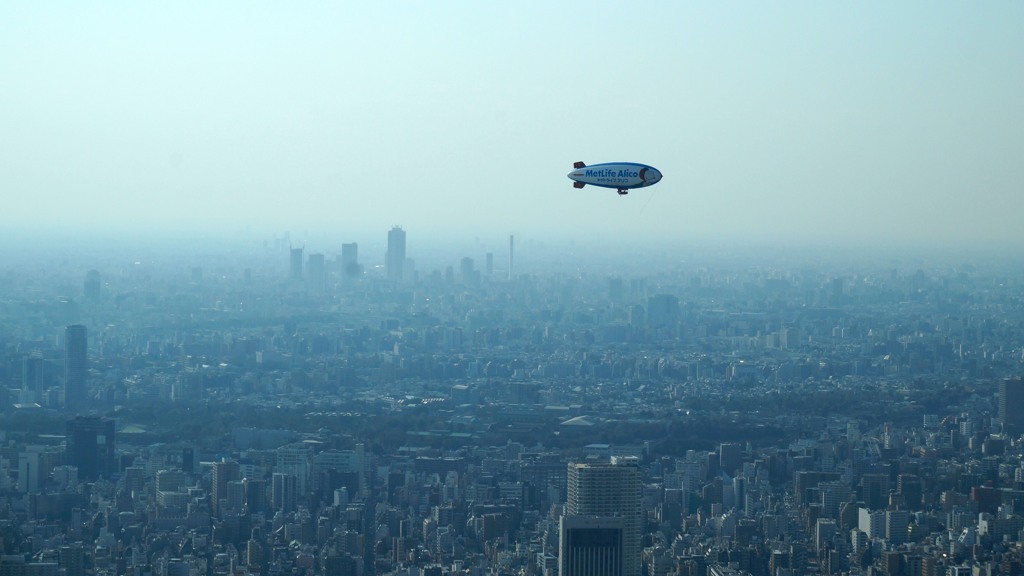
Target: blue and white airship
<point>623,176</point>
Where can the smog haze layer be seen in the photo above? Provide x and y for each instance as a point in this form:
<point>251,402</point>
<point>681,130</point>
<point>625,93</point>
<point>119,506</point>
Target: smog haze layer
<point>786,124</point>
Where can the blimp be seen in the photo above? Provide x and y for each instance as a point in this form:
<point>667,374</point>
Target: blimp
<point>623,176</point>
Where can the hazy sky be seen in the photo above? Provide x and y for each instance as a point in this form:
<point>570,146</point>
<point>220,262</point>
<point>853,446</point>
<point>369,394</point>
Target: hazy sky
<point>815,122</point>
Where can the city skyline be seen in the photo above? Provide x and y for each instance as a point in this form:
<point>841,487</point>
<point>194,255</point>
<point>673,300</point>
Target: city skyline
<point>709,414</point>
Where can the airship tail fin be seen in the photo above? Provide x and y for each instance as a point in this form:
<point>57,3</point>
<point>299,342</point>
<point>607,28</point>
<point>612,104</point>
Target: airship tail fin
<point>578,165</point>
<point>578,184</point>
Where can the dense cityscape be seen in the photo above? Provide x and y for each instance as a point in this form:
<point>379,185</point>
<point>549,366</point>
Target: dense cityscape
<point>516,409</point>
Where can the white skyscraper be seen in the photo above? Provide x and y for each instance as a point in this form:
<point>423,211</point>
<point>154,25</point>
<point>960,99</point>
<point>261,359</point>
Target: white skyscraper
<point>609,489</point>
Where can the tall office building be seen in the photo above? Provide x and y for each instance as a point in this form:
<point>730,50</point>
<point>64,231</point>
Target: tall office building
<point>468,273</point>
<point>350,261</point>
<point>296,461</point>
<point>71,559</point>
<point>235,500</point>
<point>730,457</point>
<point>283,492</point>
<point>32,381</point>
<point>36,464</point>
<point>896,523</point>
<point>662,310</point>
<point>615,289</point>
<point>254,555</point>
<point>875,490</point>
<point>317,272</point>
<point>76,366</point>
<point>912,489</point>
<point>591,546</point>
<point>90,446</point>
<point>1011,406</point>
<point>222,472</point>
<point>610,489</point>
<point>91,286</point>
<point>394,260</point>
<point>871,522</point>
<point>188,459</point>
<point>256,494</point>
<point>295,264</point>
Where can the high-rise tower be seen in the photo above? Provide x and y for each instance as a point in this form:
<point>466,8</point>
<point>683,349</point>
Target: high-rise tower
<point>591,546</point>
<point>283,492</point>
<point>662,310</point>
<point>295,264</point>
<point>256,494</point>
<point>730,457</point>
<point>350,261</point>
<point>609,490</point>
<point>1011,406</point>
<point>90,446</point>
<point>91,286</point>
<point>32,378</point>
<point>394,260</point>
<point>316,268</point>
<point>221,473</point>
<point>75,366</point>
